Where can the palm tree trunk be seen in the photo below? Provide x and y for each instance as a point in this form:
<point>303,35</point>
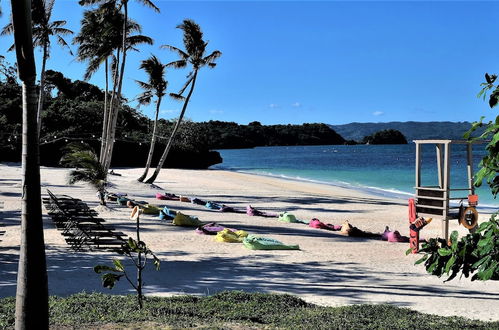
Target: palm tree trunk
<point>104,120</point>
<point>120,84</point>
<point>41,96</point>
<point>153,143</point>
<point>172,136</point>
<point>110,111</point>
<point>139,268</point>
<point>32,294</point>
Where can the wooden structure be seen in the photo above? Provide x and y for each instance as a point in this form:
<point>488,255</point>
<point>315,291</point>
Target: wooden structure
<point>435,200</point>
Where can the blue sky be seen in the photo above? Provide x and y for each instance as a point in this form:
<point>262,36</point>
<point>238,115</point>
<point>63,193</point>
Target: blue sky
<point>329,61</point>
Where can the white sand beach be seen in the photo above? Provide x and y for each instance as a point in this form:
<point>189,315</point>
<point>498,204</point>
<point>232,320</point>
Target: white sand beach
<point>330,269</point>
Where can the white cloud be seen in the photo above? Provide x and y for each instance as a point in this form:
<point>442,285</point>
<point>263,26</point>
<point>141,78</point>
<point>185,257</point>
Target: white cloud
<point>274,106</point>
<point>378,113</point>
<point>296,105</point>
<point>216,111</point>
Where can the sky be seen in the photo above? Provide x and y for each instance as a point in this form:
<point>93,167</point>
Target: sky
<point>293,62</point>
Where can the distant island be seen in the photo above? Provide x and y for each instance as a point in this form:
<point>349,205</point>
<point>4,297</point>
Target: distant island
<point>412,130</point>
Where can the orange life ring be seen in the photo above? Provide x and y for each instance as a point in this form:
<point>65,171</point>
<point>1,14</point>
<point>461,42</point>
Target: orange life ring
<point>469,218</point>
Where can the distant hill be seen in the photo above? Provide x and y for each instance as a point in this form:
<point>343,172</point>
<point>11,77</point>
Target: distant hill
<point>412,130</point>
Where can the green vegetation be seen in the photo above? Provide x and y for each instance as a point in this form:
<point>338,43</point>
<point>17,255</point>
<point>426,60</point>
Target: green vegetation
<point>388,136</point>
<point>233,310</point>
<point>138,252</point>
<point>477,253</point>
<point>410,129</point>
<point>87,168</point>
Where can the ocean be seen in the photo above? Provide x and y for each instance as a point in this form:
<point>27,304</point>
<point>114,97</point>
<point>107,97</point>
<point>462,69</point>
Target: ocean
<point>387,170</point>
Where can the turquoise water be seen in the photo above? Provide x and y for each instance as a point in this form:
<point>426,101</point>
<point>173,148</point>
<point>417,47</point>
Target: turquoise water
<point>381,169</point>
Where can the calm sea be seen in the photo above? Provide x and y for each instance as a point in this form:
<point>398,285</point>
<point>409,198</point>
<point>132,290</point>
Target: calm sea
<point>380,169</point>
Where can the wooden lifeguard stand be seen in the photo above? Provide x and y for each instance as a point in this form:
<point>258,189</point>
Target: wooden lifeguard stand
<point>435,200</point>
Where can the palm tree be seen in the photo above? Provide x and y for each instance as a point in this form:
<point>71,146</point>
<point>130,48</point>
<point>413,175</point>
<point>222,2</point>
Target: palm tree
<point>32,311</point>
<point>43,30</point>
<point>88,168</point>
<point>195,48</point>
<point>99,37</point>
<point>116,97</point>
<point>156,86</point>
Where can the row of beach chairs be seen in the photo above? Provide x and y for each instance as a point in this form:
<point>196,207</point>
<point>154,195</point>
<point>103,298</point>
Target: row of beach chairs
<point>80,225</point>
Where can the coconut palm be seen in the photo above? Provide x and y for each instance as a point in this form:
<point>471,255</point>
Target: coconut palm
<point>155,86</point>
<point>194,54</point>
<point>88,168</point>
<point>115,102</point>
<point>32,310</point>
<point>99,37</point>
<point>43,30</point>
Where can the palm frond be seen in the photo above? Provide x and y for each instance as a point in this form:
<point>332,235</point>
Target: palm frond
<point>212,57</point>
<point>177,97</point>
<point>7,30</point>
<point>63,44</point>
<point>183,55</point>
<point>180,64</point>
<point>149,4</point>
<point>58,24</point>
<point>138,39</point>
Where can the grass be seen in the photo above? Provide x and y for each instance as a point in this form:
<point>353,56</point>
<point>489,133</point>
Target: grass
<point>230,310</point>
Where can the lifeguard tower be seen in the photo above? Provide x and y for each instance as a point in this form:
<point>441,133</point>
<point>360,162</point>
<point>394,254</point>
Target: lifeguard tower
<point>435,200</point>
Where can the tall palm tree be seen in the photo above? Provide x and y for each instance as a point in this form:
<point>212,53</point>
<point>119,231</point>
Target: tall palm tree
<point>155,86</point>
<point>194,54</point>
<point>99,37</point>
<point>115,102</point>
<point>43,30</point>
<point>32,310</point>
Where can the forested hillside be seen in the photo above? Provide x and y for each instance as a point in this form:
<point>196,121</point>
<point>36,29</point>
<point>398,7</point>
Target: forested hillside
<point>411,130</point>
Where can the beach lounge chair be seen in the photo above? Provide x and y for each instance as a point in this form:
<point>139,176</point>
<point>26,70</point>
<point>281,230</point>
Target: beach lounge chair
<point>167,196</point>
<point>316,223</point>
<point>229,236</point>
<point>186,220</point>
<point>167,214</point>
<point>290,218</point>
<point>211,228</point>
<point>393,236</point>
<point>263,243</point>
<point>251,211</point>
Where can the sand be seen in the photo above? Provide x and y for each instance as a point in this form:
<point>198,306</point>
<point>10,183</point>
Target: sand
<point>330,269</point>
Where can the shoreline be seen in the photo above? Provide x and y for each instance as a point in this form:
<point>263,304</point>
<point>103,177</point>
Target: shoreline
<point>329,269</point>
<point>371,190</point>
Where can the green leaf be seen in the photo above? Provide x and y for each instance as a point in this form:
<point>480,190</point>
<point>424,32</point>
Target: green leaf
<point>408,251</point>
<point>485,242</point>
<point>119,266</point>
<point>424,258</point>
<point>444,252</point>
<point>109,280</point>
<point>453,238</point>
<point>449,264</point>
<point>103,268</point>
<point>481,261</point>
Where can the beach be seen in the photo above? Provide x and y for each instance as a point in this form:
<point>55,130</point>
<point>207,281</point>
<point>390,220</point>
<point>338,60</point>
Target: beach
<point>329,269</point>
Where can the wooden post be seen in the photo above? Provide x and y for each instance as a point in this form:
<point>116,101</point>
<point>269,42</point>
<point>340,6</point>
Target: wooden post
<point>418,165</point>
<point>471,183</point>
<point>445,220</point>
<point>440,169</point>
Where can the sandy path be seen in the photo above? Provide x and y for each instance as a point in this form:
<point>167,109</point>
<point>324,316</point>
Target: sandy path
<point>330,269</point>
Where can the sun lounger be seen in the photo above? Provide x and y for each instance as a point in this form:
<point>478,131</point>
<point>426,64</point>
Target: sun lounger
<point>263,243</point>
<point>251,211</point>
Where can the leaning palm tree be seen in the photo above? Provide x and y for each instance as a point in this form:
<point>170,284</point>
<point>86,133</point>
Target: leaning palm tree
<point>155,86</point>
<point>194,54</point>
<point>100,35</point>
<point>88,169</point>
<point>43,30</point>
<point>32,309</point>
